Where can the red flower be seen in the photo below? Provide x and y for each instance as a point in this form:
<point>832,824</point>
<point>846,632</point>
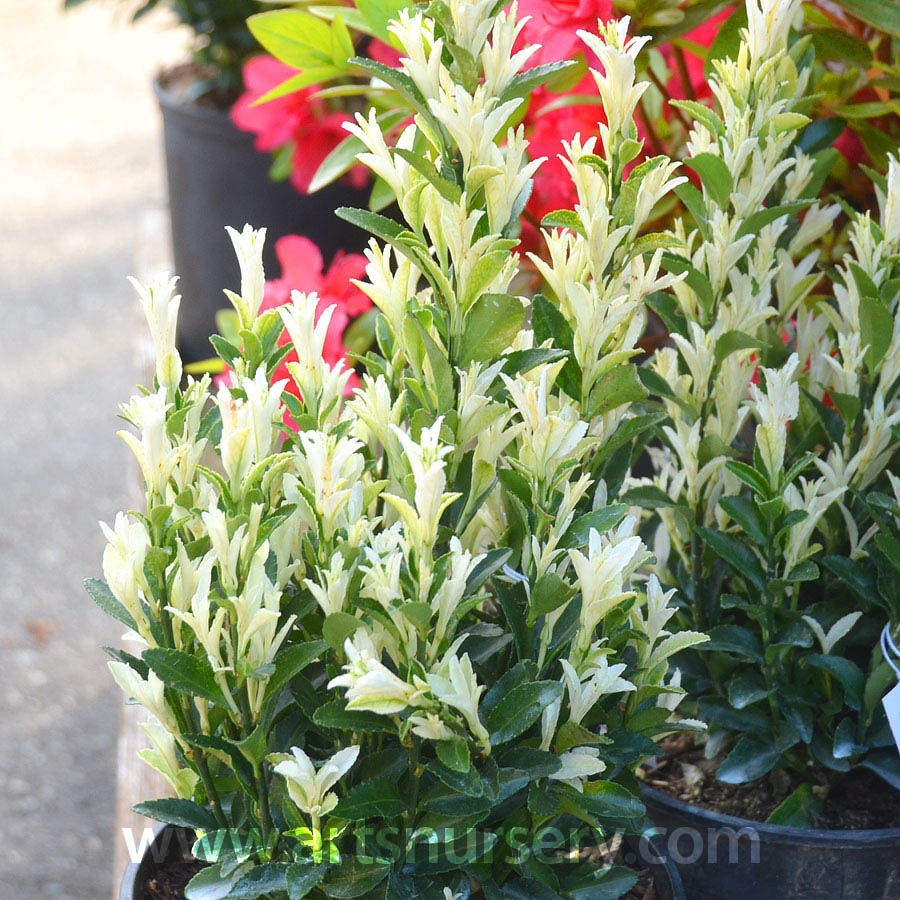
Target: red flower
<point>553,188</point>
<point>299,117</point>
<point>554,24</point>
<point>703,36</point>
<point>302,270</point>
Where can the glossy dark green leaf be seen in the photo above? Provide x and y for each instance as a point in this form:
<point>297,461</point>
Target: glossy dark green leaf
<point>353,878</point>
<point>173,811</point>
<point>520,709</point>
<point>491,327</point>
<point>100,593</point>
<point>797,810</point>
<point>302,878</point>
<point>737,554</point>
<point>185,673</point>
<point>375,798</point>
<point>751,758</point>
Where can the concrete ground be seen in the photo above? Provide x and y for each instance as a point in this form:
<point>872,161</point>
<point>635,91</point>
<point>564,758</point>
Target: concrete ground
<point>80,171</point>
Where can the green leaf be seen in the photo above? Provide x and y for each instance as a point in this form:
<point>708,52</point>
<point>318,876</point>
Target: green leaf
<point>600,520</point>
<point>758,220</point>
<point>337,627</point>
<point>334,714</point>
<point>886,766</point>
<point>302,878</point>
<point>538,763</point>
<point>493,560</point>
<point>745,512</point>
<point>209,884</point>
<point>310,75</point>
<point>254,747</point>
<point>694,279</point>
<point>607,884</point>
<point>520,673</point>
<point>100,593</point>
<point>720,712</point>
<point>695,204</point>
<point>378,13</point>
<point>468,782</point>
<point>449,190</point>
<point>570,735</point>
<point>185,673</point>
<point>647,496</point>
<point>548,322</point>
<point>714,174</point>
<point>353,878</point>
<point>183,813</point>
<point>549,593</point>
<point>746,689</point>
<point>290,662</point>
<point>737,554</point>
<point>523,84</point>
<point>296,38</point>
<point>876,325</point>
<point>836,45</point>
<point>848,674</point>
<point>376,798</point>
<point>701,113</point>
<point>381,226</point>
<point>749,476</point>
<point>492,324</point>
<point>609,800</point>
<point>667,308</point>
<point>750,759</point>
<point>732,341</point>
<point>418,613</point>
<point>528,889</point>
<point>797,810</point>
<point>454,754</point>
<point>260,881</point>
<point>883,14</point>
<point>520,709</point>
<point>615,388</point>
<point>736,640</point>
<point>563,218</point>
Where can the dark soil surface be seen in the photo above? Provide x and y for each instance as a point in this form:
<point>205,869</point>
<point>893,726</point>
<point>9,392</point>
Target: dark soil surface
<point>857,800</point>
<point>169,881</point>
<point>181,80</point>
<point>644,889</point>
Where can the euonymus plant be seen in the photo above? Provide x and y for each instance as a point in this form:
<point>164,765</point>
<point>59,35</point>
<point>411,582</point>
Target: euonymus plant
<point>773,498</point>
<point>397,644</point>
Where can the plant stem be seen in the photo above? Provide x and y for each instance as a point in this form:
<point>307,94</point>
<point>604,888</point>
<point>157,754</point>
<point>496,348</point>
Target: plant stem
<point>668,98</point>
<point>683,75</point>
<point>209,786</point>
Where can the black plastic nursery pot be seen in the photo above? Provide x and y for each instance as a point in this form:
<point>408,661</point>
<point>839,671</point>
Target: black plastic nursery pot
<point>170,846</point>
<point>216,178</point>
<point>726,858</point>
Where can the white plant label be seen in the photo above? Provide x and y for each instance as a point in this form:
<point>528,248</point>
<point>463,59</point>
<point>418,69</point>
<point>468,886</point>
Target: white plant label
<point>891,703</point>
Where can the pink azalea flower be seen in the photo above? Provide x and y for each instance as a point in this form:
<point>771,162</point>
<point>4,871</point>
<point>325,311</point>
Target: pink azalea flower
<point>703,35</point>
<point>553,189</point>
<point>554,24</point>
<point>300,117</point>
<point>302,269</point>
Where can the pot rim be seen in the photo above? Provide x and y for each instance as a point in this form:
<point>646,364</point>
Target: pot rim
<point>200,119</point>
<point>837,838</point>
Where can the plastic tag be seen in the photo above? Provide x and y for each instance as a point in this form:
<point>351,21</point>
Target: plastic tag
<point>891,703</point>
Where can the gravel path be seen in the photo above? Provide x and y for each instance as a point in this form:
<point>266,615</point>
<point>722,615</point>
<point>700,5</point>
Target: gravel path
<point>80,172</point>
